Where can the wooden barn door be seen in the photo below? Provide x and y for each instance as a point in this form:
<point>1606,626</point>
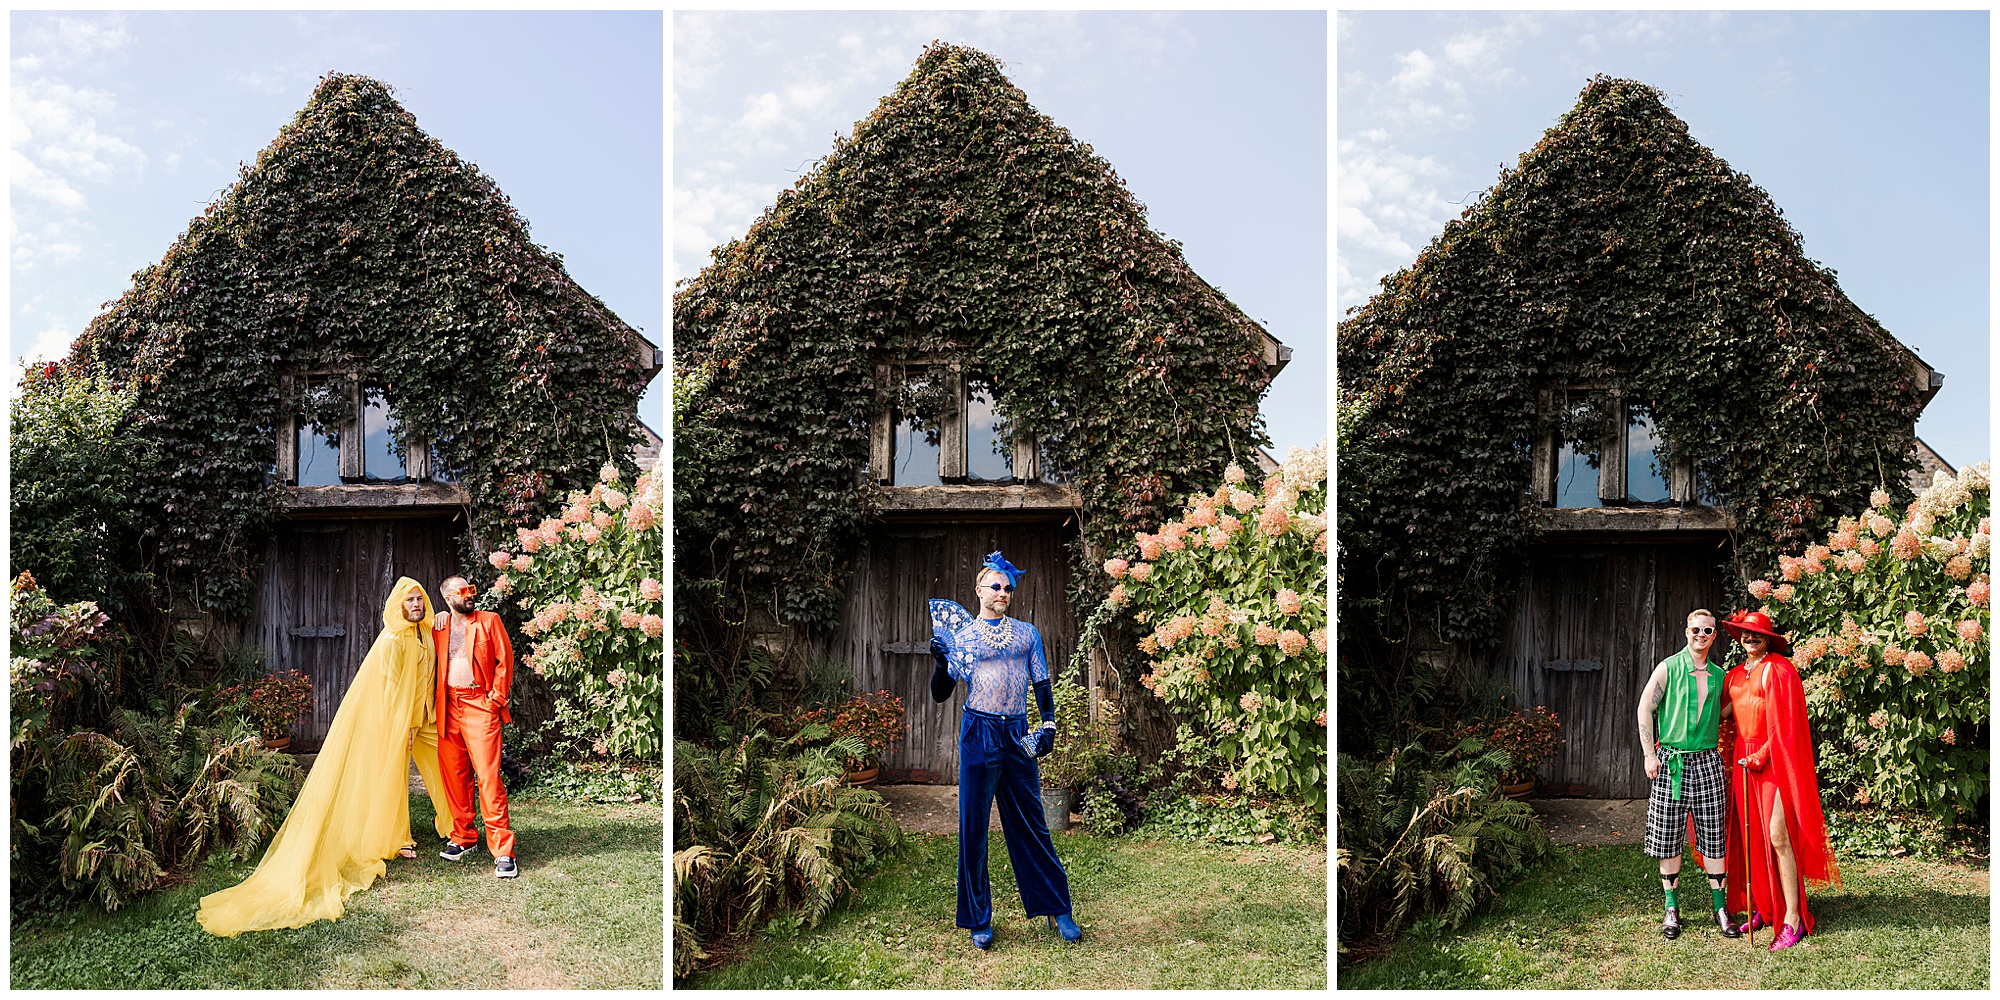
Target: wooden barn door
<point>325,582</point>
<point>885,630</point>
<point>1590,623</point>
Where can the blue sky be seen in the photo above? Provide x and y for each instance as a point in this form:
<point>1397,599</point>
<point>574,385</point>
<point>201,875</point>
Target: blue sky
<point>1216,122</point>
<point>1870,130</point>
<point>127,125</point>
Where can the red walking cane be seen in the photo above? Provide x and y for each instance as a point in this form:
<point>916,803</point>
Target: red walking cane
<point>1749,884</point>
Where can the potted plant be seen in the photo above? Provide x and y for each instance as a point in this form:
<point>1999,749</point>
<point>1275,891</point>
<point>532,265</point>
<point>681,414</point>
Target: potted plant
<point>875,719</point>
<point>1082,749</point>
<point>274,703</point>
<point>1529,736</point>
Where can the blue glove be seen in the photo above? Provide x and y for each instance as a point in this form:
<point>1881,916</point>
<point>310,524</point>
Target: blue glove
<point>1045,741</point>
<point>938,652</point>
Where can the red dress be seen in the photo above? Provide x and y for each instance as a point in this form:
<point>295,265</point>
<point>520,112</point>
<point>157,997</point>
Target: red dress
<point>1770,709</point>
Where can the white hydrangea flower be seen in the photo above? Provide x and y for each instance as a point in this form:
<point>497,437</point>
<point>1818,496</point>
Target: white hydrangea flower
<point>1976,477</point>
<point>1305,469</point>
<point>1939,547</point>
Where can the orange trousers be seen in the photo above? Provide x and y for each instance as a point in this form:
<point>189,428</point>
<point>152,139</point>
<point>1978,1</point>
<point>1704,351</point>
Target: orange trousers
<point>468,745</point>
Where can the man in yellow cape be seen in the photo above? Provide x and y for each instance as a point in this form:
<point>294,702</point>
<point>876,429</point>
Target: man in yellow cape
<point>354,811</point>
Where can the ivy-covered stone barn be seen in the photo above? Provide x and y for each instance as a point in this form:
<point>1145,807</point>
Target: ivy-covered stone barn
<point>955,334</point>
<point>355,365</point>
<point>1602,393</point>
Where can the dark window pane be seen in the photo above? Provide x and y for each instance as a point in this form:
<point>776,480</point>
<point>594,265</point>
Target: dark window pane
<point>1047,470</point>
<point>987,454</point>
<point>319,455</point>
<point>1646,472</point>
<point>916,456</point>
<point>381,457</point>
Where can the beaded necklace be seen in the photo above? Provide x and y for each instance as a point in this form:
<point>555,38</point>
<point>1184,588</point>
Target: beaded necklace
<point>998,635</point>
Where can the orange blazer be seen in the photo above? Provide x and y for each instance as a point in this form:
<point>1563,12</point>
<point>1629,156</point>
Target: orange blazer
<point>491,653</point>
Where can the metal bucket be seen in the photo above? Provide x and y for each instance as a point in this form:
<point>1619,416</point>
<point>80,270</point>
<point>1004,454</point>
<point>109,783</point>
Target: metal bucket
<point>1056,803</point>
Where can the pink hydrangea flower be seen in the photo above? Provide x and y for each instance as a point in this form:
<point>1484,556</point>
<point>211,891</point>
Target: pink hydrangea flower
<point>1229,781</point>
<point>1319,639</point>
<point>1291,642</point>
<point>1150,547</point>
<point>1978,592</point>
<point>1118,596</point>
<point>608,474</point>
<point>1234,474</point>
<point>1140,571</point>
<point>628,618</point>
<point>521,563</point>
<point>652,625</point>
<point>616,678</point>
<point>504,585</point>
<point>1202,516</point>
<point>1274,521</point>
<point>1958,567</point>
<point>1289,602</point>
<point>1250,702</point>
<point>1856,562</point>
<point>591,533</point>
<point>1893,654</point>
<point>649,589</point>
<point>1969,630</point>
<point>601,520</point>
<point>1229,524</point>
<point>1790,569</point>
<point>500,559</point>
<point>1264,635</point>
<point>1951,661</point>
<point>557,613</point>
<point>1906,545</point>
<point>1783,593</point>
<point>640,517</point>
<point>1881,525</point>
<point>1321,718</point>
<point>1760,589</point>
<point>1950,737</point>
<point>1917,663</point>
<point>1242,501</point>
<point>1115,568</point>
<point>1913,623</point>
<point>1867,547</point>
<point>1879,719</point>
<point>1878,498</point>
<point>614,499</point>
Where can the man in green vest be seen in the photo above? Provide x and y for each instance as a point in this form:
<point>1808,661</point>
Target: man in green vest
<point>1686,692</point>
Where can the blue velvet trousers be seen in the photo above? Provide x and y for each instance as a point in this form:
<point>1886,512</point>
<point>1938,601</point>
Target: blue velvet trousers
<point>991,762</point>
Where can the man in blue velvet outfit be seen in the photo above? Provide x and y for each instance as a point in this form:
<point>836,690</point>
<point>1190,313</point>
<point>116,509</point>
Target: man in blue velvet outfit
<point>1000,659</point>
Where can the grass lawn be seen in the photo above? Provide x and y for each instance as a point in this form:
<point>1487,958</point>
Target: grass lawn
<point>1155,914</point>
<point>585,913</point>
<point>1591,920</point>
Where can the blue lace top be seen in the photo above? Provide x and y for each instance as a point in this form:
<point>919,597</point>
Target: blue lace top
<point>997,677</point>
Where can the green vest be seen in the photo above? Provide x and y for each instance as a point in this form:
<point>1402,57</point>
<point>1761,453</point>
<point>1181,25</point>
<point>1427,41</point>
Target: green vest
<point>1686,721</point>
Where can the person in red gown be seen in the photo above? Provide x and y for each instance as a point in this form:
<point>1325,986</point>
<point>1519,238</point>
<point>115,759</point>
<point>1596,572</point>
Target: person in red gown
<point>1773,749</point>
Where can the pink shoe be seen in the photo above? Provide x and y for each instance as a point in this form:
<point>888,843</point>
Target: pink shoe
<point>1787,937</point>
<point>1755,923</point>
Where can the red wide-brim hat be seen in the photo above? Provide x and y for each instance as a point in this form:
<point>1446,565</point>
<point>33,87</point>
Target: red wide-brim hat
<point>1760,623</point>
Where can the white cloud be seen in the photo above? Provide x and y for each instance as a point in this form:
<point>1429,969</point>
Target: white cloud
<point>51,344</point>
<point>28,179</point>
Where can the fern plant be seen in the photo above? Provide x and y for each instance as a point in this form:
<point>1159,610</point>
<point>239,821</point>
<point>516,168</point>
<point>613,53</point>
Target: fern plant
<point>1422,835</point>
<point>764,827</point>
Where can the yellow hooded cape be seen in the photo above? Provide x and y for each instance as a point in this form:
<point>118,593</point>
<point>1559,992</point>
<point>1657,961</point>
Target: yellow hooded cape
<point>354,810</point>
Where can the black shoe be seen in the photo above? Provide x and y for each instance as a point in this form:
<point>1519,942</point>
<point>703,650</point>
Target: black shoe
<point>1725,926</point>
<point>503,867</point>
<point>454,851</point>
<point>1670,928</point>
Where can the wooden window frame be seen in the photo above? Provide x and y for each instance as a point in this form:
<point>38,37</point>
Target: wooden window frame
<point>1611,484</point>
<point>351,466</point>
<point>952,462</point>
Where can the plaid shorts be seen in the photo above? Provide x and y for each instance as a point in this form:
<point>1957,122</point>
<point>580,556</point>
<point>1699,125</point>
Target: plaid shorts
<point>1704,795</point>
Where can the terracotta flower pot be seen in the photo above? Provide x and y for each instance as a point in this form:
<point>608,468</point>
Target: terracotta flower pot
<point>1520,790</point>
<point>278,744</point>
<point>864,779</point>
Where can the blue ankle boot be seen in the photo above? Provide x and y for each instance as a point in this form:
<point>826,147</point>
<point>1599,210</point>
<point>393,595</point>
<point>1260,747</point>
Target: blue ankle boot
<point>982,938</point>
<point>1067,927</point>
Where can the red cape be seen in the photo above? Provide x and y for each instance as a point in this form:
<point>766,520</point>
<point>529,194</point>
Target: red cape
<point>1788,774</point>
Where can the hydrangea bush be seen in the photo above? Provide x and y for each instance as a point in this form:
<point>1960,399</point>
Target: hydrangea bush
<point>1234,596</point>
<point>1889,622</point>
<point>590,578</point>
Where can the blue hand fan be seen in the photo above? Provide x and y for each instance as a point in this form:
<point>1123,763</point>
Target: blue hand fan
<point>947,617</point>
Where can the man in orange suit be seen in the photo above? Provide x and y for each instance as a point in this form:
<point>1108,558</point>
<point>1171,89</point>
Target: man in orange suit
<point>475,669</point>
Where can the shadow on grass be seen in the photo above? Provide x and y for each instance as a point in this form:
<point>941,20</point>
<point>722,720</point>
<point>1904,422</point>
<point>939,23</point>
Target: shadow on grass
<point>1590,919</point>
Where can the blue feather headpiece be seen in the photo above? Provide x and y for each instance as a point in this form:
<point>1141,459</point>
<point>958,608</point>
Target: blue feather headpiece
<point>997,562</point>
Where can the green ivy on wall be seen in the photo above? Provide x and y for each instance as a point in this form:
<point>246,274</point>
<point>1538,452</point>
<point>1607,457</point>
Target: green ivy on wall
<point>355,242</point>
<point>1618,249</point>
<point>957,221</point>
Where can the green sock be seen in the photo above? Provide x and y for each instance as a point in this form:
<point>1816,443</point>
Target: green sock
<point>1673,899</point>
<point>1715,895</point>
